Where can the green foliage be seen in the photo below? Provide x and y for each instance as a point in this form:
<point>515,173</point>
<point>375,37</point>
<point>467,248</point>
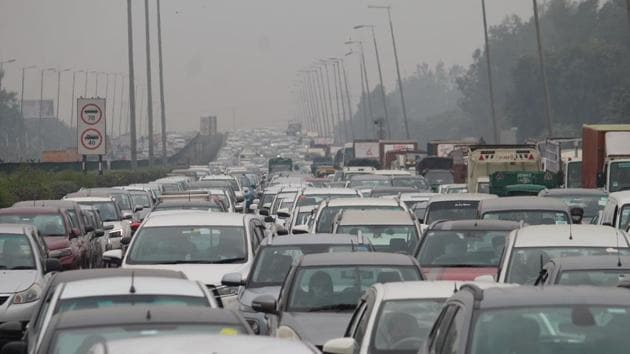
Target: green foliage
<point>27,184</point>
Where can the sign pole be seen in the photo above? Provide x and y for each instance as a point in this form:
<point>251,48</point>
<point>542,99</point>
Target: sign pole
<point>84,164</point>
<point>100,165</point>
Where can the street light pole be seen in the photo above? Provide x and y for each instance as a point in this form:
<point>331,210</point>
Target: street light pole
<point>22,89</point>
<point>345,80</point>
<point>380,76</point>
<point>322,100</point>
<point>41,99</point>
<point>495,125</point>
<point>541,60</point>
<point>132,84</point>
<point>149,88</point>
<point>161,70</point>
<point>400,84</point>
<point>113,105</point>
<point>367,99</point>
<point>341,106</point>
<point>315,103</point>
<point>330,101</point>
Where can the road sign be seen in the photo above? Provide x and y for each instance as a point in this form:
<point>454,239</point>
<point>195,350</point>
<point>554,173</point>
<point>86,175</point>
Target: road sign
<point>91,127</point>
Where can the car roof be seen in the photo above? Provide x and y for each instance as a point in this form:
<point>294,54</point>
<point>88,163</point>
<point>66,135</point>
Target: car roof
<point>362,202</point>
<point>623,196</point>
<point>200,218</point>
<point>47,203</point>
<point>425,289</point>
<point>77,275</point>
<point>462,196</point>
<point>89,199</point>
<point>317,191</point>
<point>592,262</point>
<point>29,210</point>
<point>130,315</point>
<point>569,236</point>
<point>376,217</point>
<point>370,177</point>
<point>311,239</point>
<point>356,258</point>
<point>486,225</point>
<point>393,189</point>
<point>530,296</point>
<point>18,229</point>
<point>522,203</point>
<point>121,285</point>
<point>571,191</point>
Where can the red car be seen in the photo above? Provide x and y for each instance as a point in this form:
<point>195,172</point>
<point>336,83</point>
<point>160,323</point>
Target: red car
<point>64,242</point>
<point>463,249</point>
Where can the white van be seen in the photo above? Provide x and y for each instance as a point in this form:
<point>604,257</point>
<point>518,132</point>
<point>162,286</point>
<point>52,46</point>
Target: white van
<point>617,211</point>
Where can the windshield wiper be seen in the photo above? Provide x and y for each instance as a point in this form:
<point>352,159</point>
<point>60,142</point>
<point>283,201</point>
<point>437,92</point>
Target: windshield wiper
<point>228,260</point>
<point>337,307</point>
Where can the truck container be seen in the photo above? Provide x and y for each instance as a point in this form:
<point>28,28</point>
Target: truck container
<point>387,146</point>
<point>522,183</point>
<point>484,160</point>
<point>366,149</point>
<point>606,156</point>
<point>443,148</point>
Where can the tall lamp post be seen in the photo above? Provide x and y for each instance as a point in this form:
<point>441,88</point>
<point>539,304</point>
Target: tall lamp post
<point>495,125</point>
<point>543,71</point>
<point>400,84</point>
<point>22,89</point>
<point>366,89</point>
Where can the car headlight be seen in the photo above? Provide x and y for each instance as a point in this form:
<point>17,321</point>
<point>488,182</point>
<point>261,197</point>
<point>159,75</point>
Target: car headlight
<point>287,333</point>
<point>227,291</point>
<point>116,233</point>
<point>64,252</point>
<point>29,295</point>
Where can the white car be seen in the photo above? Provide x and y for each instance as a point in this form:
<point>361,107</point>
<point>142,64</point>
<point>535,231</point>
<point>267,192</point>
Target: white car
<point>528,249</point>
<point>453,188</point>
<point>204,246</point>
<point>327,210</point>
<point>395,317</point>
<point>117,225</point>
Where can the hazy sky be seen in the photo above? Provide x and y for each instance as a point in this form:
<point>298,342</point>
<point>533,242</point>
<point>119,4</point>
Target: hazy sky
<point>220,54</point>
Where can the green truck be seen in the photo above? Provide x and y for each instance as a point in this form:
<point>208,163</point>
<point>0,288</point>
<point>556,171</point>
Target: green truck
<point>519,183</point>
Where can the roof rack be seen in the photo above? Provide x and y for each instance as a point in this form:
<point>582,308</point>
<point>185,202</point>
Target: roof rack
<point>476,291</point>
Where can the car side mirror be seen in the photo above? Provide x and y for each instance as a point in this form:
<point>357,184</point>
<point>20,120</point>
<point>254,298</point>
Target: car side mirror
<point>601,180</point>
<point>239,196</point>
<point>577,214</point>
<point>113,258</point>
<point>300,229</point>
<point>52,265</point>
<point>74,233</point>
<point>269,219</point>
<point>233,279</point>
<point>89,228</point>
<point>108,227</point>
<point>137,208</point>
<point>238,207</point>
<point>264,212</point>
<point>125,240</point>
<point>340,346</point>
<point>265,304</point>
<point>99,233</point>
<point>281,231</point>
<point>284,214</point>
<point>16,347</point>
<point>127,216</point>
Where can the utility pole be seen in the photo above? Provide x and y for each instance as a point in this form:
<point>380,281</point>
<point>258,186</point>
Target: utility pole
<point>541,59</point>
<point>86,83</point>
<point>162,105</point>
<point>312,94</point>
<point>495,125</point>
<point>132,94</point>
<point>345,80</point>
<point>149,89</point>
<point>120,110</point>
<point>367,90</point>
<point>340,102</point>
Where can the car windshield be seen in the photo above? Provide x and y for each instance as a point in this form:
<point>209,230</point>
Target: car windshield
<point>526,263</point>
<point>574,174</point>
<point>267,199</point>
<point>95,339</point>
<point>106,301</point>
<point>141,199</point>
<point>591,204</point>
<point>273,262</point>
<point>123,201</point>
<point>386,238</point>
<point>598,277</point>
<point>362,182</point>
<point>108,210</point>
<point>338,288</point>
<point>327,215</point>
<point>403,325</point>
<point>415,182</point>
<point>530,217</point>
<point>188,244</point>
<point>451,210</point>
<point>315,199</point>
<point>16,252</point>
<point>439,177</point>
<point>462,248</point>
<point>619,176</point>
<point>302,218</point>
<point>576,329</point>
<point>47,224</point>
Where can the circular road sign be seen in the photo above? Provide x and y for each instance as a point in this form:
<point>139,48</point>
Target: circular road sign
<point>91,139</point>
<point>91,114</point>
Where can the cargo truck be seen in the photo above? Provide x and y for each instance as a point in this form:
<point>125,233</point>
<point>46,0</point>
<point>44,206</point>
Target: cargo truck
<point>606,157</point>
<point>484,160</point>
<point>563,157</point>
<point>388,146</point>
<point>366,149</point>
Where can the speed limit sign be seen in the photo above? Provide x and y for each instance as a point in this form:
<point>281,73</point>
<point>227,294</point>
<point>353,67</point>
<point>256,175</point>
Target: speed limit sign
<point>91,132</point>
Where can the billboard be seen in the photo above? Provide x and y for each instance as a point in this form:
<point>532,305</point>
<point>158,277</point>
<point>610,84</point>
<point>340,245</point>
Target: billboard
<point>91,127</point>
<point>31,109</point>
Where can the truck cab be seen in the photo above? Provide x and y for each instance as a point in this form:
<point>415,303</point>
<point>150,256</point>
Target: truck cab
<point>615,176</point>
<point>484,160</point>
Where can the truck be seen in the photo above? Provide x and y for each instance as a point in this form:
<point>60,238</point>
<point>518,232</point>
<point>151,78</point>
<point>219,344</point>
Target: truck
<point>366,149</point>
<point>484,160</point>
<point>403,160</point>
<point>387,146</point>
<point>520,183</point>
<point>457,150</point>
<point>279,164</point>
<point>606,157</point>
<point>563,157</point>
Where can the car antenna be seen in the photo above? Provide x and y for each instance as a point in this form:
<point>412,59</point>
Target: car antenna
<point>618,250</point>
<point>148,314</point>
<point>570,231</point>
<point>542,262</point>
<point>132,289</point>
<point>455,290</point>
<point>352,245</point>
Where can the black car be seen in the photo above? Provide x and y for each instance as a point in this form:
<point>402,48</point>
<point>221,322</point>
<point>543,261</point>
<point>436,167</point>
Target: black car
<point>528,319</point>
<point>322,290</point>
<point>585,270</point>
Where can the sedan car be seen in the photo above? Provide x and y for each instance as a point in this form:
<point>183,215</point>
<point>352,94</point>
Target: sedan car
<point>531,210</point>
<point>585,270</point>
<point>321,291</point>
<point>592,201</point>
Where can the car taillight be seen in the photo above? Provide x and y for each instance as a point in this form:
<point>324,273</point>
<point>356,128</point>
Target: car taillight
<point>135,225</point>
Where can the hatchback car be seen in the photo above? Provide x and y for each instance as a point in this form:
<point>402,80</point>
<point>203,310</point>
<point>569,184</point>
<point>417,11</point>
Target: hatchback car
<point>528,249</point>
<point>531,210</point>
<point>526,320</point>
<point>462,206</point>
<point>324,217</point>
<point>322,290</point>
<point>586,270</point>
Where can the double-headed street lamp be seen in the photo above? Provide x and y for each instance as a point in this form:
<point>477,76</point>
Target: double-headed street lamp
<point>365,83</point>
<point>380,76</point>
<point>400,85</point>
<point>2,68</point>
<point>341,107</point>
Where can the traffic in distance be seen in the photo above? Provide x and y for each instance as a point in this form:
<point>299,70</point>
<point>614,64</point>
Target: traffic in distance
<point>304,246</point>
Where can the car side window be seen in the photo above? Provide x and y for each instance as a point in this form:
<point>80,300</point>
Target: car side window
<point>356,317</point>
<point>454,334</point>
<point>364,320</point>
<point>254,239</point>
<point>436,339</point>
<point>615,216</point>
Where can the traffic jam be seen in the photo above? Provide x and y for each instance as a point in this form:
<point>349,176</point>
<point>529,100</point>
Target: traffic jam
<point>304,246</point>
